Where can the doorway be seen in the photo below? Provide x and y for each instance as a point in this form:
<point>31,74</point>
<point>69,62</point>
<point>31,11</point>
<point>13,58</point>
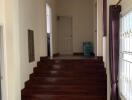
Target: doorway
<point>1,59</point>
<point>65,35</point>
<point>49,30</point>
<point>95,27</point>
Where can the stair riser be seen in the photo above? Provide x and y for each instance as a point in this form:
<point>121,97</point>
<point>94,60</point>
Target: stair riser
<point>90,76</point>
<point>67,83</point>
<point>70,79</point>
<point>87,86</point>
<point>66,92</point>
<point>48,70</point>
<point>72,60</point>
<point>68,89</point>
<point>61,78</point>
<point>65,87</point>
<point>71,64</point>
<point>74,79</point>
<point>71,67</point>
<point>52,97</point>
<point>77,70</point>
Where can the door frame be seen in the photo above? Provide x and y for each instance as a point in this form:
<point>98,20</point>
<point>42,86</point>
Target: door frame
<point>2,66</point>
<point>51,34</point>
<point>95,27</point>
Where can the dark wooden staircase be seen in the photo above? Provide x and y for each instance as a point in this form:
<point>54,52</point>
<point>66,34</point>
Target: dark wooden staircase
<point>67,79</point>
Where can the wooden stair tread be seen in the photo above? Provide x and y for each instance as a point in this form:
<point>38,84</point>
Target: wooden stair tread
<point>62,92</point>
<point>67,79</point>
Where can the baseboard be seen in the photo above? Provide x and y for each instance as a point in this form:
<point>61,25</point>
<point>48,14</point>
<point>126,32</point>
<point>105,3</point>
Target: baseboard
<point>43,58</point>
<point>78,54</point>
<point>56,54</point>
<point>100,58</point>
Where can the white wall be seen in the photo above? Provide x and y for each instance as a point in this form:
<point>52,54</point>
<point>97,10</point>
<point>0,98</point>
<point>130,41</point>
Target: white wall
<point>82,13</point>
<point>32,16</point>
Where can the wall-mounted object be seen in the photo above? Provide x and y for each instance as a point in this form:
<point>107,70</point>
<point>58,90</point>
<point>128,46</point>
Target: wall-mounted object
<point>31,52</point>
<point>104,17</point>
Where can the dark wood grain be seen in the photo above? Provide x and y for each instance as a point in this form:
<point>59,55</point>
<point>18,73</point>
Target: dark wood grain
<point>67,79</point>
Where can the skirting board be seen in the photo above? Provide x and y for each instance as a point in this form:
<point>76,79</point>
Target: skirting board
<point>78,54</point>
<point>56,54</point>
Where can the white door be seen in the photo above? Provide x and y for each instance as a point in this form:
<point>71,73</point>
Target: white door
<point>65,35</point>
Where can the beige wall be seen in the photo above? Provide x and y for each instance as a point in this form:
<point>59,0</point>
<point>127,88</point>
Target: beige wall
<point>16,17</point>
<point>99,28</point>
<point>3,66</point>
<point>82,13</point>
<point>32,16</point>
<point>126,6</point>
<point>2,11</point>
<point>11,50</point>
